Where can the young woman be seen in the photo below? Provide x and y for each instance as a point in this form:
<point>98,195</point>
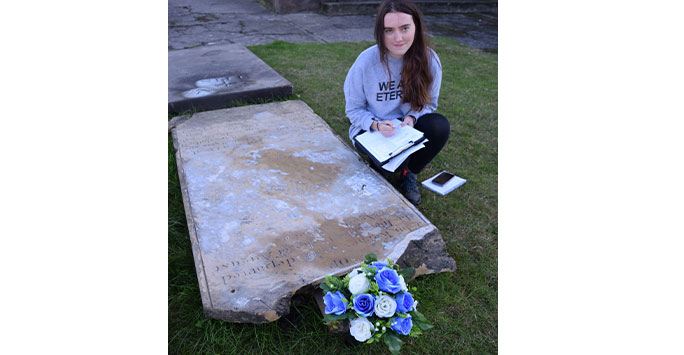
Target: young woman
<point>398,78</point>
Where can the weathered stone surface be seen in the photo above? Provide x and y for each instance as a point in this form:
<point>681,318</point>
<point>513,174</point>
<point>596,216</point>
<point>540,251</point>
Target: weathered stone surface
<point>275,201</point>
<point>214,77</point>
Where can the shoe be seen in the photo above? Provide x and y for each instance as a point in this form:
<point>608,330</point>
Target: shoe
<point>409,187</point>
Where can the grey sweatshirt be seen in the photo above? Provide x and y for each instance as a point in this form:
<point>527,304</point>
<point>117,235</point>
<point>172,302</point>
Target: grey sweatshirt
<point>371,95</point>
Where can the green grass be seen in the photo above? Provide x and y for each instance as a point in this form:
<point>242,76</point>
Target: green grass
<point>461,305</point>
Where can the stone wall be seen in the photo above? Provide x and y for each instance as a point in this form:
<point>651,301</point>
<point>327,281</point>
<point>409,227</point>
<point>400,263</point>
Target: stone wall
<point>357,7</point>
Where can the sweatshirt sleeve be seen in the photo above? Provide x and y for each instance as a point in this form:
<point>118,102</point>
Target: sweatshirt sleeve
<point>436,70</point>
<point>356,106</point>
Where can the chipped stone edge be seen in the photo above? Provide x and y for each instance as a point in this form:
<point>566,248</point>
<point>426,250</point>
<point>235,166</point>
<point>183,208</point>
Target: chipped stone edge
<point>416,256</point>
<point>174,123</point>
<point>402,246</point>
<point>273,313</point>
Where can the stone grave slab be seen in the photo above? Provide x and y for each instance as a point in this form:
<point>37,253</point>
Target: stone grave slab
<point>214,77</point>
<point>275,201</point>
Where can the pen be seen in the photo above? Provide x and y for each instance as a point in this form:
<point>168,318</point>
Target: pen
<point>401,149</point>
<point>384,123</point>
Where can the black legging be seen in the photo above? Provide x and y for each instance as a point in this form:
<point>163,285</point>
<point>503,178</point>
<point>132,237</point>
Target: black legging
<point>436,129</point>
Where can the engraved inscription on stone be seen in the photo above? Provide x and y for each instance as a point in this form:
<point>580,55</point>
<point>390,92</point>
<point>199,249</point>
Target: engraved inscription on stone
<point>276,201</point>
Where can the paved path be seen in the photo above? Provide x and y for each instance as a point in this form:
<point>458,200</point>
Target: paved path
<point>195,23</point>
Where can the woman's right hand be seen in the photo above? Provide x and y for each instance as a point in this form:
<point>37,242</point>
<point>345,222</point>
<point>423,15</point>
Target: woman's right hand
<point>386,128</point>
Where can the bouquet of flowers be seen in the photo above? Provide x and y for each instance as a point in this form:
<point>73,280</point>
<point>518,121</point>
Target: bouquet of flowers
<point>376,301</point>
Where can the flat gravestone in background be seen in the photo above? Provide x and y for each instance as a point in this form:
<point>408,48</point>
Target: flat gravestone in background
<point>214,77</point>
<point>275,201</point>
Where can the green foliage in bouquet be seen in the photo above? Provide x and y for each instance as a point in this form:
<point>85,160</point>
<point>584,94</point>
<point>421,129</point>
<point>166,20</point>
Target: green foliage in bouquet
<point>375,299</point>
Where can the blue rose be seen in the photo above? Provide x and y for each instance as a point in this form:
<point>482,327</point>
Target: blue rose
<point>364,304</point>
<point>402,325</point>
<point>334,303</point>
<point>376,265</point>
<point>388,280</point>
<point>404,302</point>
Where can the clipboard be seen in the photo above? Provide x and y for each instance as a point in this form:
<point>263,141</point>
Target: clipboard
<point>382,149</point>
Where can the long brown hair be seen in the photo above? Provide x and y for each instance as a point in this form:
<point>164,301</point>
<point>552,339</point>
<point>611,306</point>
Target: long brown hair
<point>415,72</point>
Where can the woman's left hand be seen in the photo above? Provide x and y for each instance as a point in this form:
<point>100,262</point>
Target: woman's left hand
<point>408,120</point>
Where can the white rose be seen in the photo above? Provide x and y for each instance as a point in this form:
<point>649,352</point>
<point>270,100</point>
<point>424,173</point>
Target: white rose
<point>360,329</point>
<point>358,284</point>
<point>355,272</point>
<point>402,283</point>
<point>385,306</point>
<point>415,304</point>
